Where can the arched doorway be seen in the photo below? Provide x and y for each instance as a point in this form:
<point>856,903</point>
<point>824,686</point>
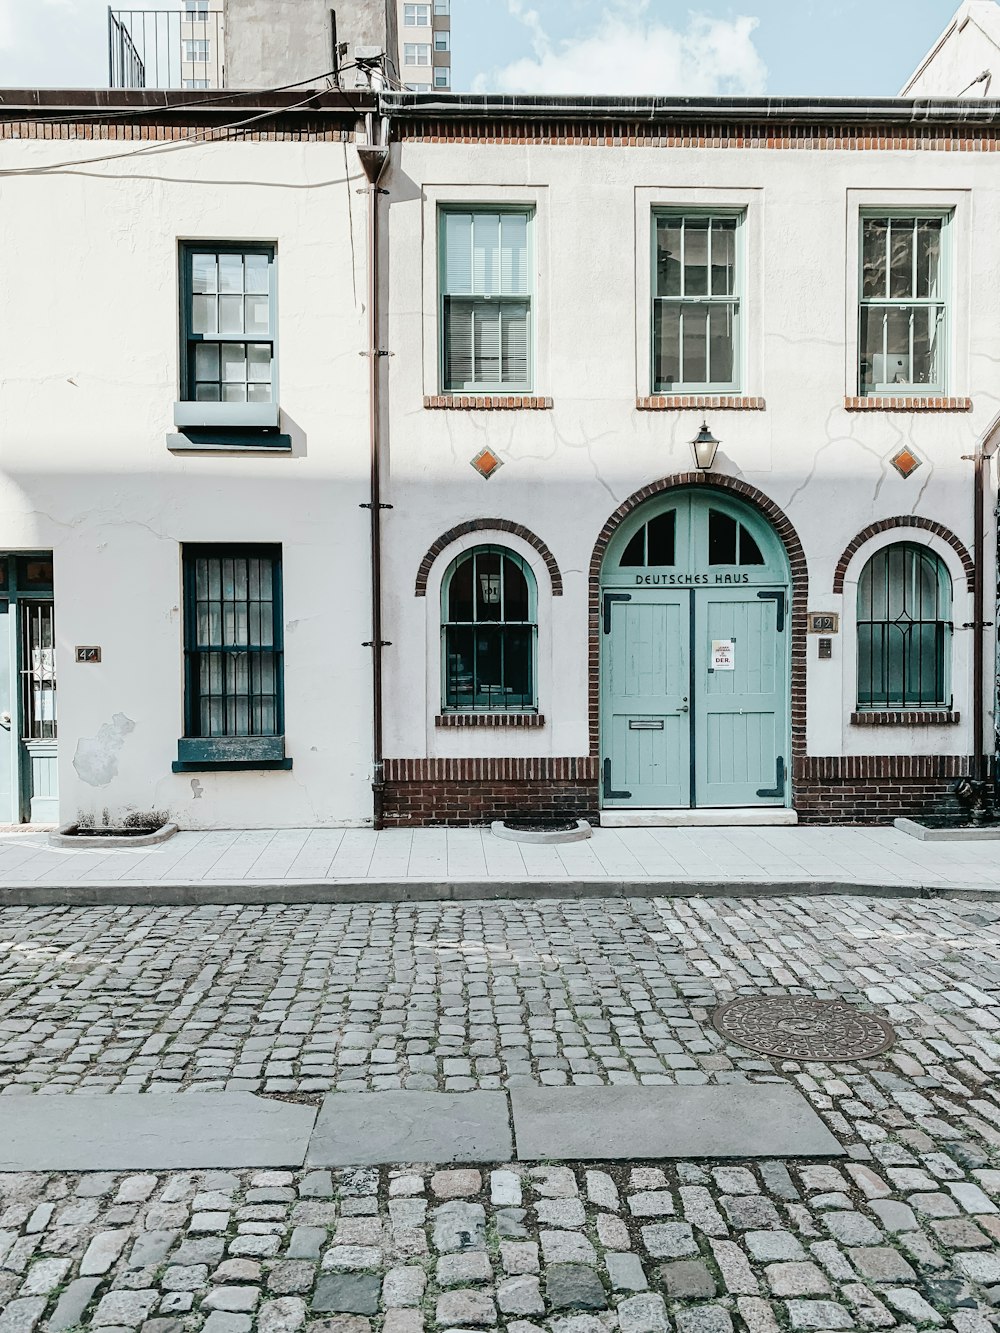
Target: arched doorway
<point>695,656</point>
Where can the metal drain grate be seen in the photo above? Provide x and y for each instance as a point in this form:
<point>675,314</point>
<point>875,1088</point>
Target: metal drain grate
<point>797,1027</point>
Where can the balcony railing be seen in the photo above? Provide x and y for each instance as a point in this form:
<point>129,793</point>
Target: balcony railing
<point>166,48</point>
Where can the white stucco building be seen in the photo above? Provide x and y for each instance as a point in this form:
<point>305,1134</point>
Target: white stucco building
<point>578,612</point>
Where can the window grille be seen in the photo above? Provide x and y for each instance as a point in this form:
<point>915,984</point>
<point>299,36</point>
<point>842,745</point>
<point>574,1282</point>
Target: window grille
<point>696,302</point>
<point>903,313</point>
<point>229,317</point>
<point>904,630</point>
<point>489,631</point>
<point>38,671</point>
<point>486,304</point>
<point>233,642</point>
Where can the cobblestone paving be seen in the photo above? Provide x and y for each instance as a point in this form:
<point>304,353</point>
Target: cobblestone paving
<point>905,1233</point>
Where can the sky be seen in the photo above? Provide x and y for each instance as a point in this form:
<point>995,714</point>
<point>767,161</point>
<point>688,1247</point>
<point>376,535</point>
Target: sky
<point>707,47</point>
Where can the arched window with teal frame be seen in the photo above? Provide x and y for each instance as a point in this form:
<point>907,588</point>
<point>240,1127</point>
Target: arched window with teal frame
<point>489,629</point>
<point>904,629</point>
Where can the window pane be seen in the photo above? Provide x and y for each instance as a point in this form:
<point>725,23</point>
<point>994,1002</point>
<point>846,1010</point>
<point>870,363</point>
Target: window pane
<point>666,345</point>
<point>234,393</point>
<point>901,257</point>
<point>928,257</point>
<point>721,538</point>
<point>926,324</point>
<point>457,266</point>
<point>694,345</point>
<point>721,349</point>
<point>515,592</point>
<point>230,314</point>
<point>460,601</point>
<point>486,343</point>
<point>231,273</point>
<point>204,315</point>
<point>486,254</point>
<point>489,641</point>
<point>258,273</point>
<point>207,393</point>
<point>459,322</point>
<point>258,314</point>
<point>488,589</point>
<point>204,273</point>
<point>660,541</point>
<point>870,359</point>
<point>668,256</point>
<point>695,257</point>
<point>514,254</point>
<point>873,242</point>
<point>514,349</point>
<point>459,667</point>
<point>206,361</point>
<point>723,256</point>
<point>750,552</point>
<point>517,661</point>
<point>904,605</point>
<point>896,366</point>
<point>234,363</point>
<point>260,362</point>
<point>634,555</point>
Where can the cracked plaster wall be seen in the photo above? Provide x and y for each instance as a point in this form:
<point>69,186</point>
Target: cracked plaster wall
<point>565,470</point>
<point>85,468</point>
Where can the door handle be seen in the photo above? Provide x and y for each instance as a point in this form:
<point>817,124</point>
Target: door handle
<point>684,708</point>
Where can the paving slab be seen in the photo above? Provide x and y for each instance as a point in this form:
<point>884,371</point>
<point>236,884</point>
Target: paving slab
<point>151,1132</point>
<point>717,1121</point>
<point>376,1128</point>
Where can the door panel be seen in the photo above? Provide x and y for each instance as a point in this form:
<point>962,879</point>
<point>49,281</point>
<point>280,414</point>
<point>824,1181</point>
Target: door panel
<point>646,679</point>
<point>740,716</point>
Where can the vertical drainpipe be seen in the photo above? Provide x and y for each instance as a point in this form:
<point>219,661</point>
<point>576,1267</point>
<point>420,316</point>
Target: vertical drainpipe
<point>373,159</point>
<point>985,449</point>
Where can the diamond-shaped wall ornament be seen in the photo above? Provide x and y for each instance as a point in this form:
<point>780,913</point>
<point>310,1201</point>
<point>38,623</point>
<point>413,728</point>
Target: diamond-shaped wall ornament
<point>905,462</point>
<point>486,463</point>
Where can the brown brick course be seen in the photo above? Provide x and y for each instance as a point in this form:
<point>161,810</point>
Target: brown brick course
<point>486,403</point>
<point>699,402</point>
<point>904,521</point>
<point>914,404</point>
<point>487,525</point>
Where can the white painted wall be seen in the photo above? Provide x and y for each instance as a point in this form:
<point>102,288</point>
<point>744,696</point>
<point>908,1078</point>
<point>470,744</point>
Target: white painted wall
<point>89,351</point>
<point>968,47</point>
<point>566,470</point>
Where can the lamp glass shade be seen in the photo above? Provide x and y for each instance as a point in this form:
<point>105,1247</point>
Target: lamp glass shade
<point>705,446</point>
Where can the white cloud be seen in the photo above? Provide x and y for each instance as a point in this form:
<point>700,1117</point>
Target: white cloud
<point>627,53</point>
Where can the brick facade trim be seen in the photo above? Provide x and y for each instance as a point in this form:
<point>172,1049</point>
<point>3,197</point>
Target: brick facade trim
<point>912,717</point>
<point>699,402</point>
<point>495,769</point>
<point>518,720</point>
<point>914,404</point>
<point>800,589</point>
<point>904,521</point>
<point>709,134</point>
<point>447,402</point>
<point>296,130</point>
<point>876,767</point>
<point>487,525</point>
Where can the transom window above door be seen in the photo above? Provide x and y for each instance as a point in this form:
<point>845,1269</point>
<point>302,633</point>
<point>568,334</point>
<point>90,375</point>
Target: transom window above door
<point>697,281</point>
<point>489,626</point>
<point>484,266</point>
<point>903,310</point>
<point>654,543</point>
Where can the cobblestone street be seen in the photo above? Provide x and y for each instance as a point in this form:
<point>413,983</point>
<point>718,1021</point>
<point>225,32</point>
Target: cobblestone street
<point>298,1002</point>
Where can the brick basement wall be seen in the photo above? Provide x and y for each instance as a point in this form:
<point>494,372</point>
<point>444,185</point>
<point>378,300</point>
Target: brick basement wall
<point>461,804</point>
<point>874,789</point>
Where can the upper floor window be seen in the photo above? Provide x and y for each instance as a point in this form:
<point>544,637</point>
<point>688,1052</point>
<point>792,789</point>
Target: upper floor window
<point>442,40</point>
<point>196,9</point>
<point>442,77</point>
<point>903,304</point>
<point>196,51</point>
<point>416,53</point>
<point>418,87</point>
<point>489,625</point>
<point>442,6</point>
<point>416,16</point>
<point>485,299</point>
<point>904,629</point>
<point>229,324</point>
<point>696,301</point>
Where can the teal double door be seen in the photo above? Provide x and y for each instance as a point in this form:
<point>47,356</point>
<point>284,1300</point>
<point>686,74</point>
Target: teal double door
<point>695,663</point>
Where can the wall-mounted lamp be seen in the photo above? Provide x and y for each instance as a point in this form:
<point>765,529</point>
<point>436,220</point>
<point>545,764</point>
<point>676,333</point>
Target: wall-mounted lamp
<point>705,447</point>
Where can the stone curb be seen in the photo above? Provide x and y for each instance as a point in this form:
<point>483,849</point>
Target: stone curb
<point>197,893</point>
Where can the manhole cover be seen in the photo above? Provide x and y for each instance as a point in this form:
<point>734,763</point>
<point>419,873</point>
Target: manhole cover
<point>797,1027</point>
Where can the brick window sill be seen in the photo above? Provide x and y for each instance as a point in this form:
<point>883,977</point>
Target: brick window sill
<point>677,402</point>
<point>454,402</point>
<point>916,403</point>
<point>903,717</point>
<point>489,720</point>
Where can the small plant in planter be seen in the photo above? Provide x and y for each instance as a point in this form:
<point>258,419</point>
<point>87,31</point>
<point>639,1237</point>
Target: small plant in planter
<point>133,829</point>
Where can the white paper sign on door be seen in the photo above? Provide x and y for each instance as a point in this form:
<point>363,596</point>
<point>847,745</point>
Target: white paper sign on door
<point>723,654</point>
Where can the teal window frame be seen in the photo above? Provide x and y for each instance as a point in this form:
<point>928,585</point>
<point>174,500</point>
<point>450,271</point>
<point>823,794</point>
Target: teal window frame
<point>527,298</point>
<point>263,747</point>
<point>903,646</point>
<point>868,387</point>
<point>448,625</point>
<point>735,301</point>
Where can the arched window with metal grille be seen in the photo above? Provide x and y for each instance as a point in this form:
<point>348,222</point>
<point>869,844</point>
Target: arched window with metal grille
<point>489,627</point>
<point>904,630</point>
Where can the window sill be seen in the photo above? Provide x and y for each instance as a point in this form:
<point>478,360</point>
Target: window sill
<point>490,402</point>
<point>911,403</point>
<point>907,717</point>
<point>673,402</point>
<point>229,442</point>
<point>226,416</point>
<point>490,720</point>
<point>225,753</point>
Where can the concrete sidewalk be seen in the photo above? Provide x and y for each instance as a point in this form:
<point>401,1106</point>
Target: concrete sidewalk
<point>357,865</point>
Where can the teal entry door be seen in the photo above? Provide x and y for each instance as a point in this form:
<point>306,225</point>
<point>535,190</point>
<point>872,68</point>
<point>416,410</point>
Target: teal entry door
<point>646,678</point>
<point>695,657</point>
<point>740,697</point>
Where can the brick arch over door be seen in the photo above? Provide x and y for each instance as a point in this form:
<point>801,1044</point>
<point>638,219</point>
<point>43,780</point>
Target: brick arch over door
<point>904,521</point>
<point>781,524</point>
<point>487,525</point>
